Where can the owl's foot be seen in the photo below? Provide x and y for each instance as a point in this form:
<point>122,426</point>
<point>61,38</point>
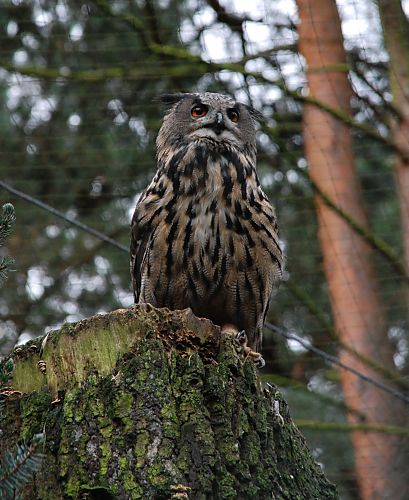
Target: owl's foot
<point>241,339</point>
<point>258,359</point>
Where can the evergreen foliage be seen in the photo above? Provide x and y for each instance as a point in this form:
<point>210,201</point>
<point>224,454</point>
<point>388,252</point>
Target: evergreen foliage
<point>16,469</point>
<point>7,219</point>
<point>6,369</point>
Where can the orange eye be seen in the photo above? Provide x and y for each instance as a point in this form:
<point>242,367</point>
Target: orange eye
<point>233,114</point>
<point>198,111</point>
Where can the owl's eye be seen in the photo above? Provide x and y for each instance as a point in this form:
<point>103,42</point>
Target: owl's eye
<point>198,111</point>
<point>233,114</point>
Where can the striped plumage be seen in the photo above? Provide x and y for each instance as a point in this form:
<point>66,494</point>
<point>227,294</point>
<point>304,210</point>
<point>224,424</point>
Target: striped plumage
<point>204,234</point>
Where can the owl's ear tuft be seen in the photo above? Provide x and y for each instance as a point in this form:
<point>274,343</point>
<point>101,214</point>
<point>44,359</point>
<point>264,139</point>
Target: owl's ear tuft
<point>256,115</point>
<point>171,99</point>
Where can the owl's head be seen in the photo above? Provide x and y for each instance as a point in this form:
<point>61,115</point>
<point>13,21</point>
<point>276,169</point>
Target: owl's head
<point>216,120</point>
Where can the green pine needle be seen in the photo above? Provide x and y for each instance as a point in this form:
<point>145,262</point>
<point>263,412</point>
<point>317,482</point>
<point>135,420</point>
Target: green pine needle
<point>2,406</point>
<point>6,369</point>
<point>5,266</point>
<point>17,468</point>
<point>7,218</point>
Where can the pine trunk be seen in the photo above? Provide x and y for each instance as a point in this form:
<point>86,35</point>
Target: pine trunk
<point>148,403</point>
<point>348,260</point>
<point>396,33</point>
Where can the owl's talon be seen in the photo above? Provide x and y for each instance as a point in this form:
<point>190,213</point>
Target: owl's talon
<point>256,357</point>
<point>241,337</point>
<point>260,363</point>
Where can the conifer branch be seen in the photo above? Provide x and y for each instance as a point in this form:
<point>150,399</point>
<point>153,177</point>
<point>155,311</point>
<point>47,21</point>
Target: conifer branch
<point>17,468</point>
<point>7,219</point>
<point>6,369</point>
<point>341,427</point>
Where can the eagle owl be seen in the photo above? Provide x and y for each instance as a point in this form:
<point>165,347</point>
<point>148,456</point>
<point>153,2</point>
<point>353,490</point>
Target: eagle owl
<point>204,234</point>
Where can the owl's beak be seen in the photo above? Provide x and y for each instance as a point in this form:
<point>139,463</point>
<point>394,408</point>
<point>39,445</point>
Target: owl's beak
<point>218,125</point>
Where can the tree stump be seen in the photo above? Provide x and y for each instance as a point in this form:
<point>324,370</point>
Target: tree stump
<point>154,404</point>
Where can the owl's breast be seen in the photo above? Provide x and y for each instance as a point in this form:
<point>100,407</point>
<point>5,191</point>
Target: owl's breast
<point>216,242</point>
<point>213,246</point>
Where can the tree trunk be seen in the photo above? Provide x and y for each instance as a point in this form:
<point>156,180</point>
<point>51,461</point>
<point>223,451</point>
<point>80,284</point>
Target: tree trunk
<point>348,260</point>
<point>396,33</point>
<point>148,403</point>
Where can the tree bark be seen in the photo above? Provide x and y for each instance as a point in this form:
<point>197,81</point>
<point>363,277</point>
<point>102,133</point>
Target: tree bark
<point>396,34</point>
<point>149,403</point>
<point>348,260</point>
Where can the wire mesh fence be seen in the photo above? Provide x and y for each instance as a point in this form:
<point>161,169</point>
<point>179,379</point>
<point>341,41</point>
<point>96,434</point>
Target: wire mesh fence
<point>79,120</point>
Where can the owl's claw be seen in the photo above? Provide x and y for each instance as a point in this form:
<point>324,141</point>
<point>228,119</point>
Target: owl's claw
<point>256,357</point>
<point>241,338</point>
<point>259,362</point>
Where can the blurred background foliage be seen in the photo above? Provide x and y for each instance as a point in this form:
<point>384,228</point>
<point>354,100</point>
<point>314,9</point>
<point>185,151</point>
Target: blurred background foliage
<point>78,122</point>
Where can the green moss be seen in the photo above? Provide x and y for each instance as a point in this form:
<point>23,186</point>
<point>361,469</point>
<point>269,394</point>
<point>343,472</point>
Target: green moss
<point>251,444</point>
<point>166,448</point>
<point>122,405</point>
<point>98,490</point>
<point>105,430</point>
<point>73,485</point>
<point>168,413</point>
<point>243,425</point>
<point>156,476</point>
<point>131,486</point>
<point>27,377</point>
<point>33,410</point>
<point>141,445</point>
<point>105,456</point>
<point>64,457</point>
<point>226,485</point>
<point>69,406</point>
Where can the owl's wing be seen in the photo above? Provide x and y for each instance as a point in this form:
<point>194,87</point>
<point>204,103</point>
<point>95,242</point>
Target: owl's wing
<point>270,240</point>
<point>140,237</point>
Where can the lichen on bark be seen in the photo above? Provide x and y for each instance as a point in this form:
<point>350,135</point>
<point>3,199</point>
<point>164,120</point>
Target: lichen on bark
<point>149,403</point>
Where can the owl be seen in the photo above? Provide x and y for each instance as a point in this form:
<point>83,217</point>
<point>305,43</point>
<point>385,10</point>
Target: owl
<point>204,235</point>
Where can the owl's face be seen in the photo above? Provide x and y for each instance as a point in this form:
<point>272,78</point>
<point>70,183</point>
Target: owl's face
<point>213,119</point>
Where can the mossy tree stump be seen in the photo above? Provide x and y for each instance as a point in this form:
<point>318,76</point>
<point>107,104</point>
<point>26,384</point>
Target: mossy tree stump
<point>149,403</point>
